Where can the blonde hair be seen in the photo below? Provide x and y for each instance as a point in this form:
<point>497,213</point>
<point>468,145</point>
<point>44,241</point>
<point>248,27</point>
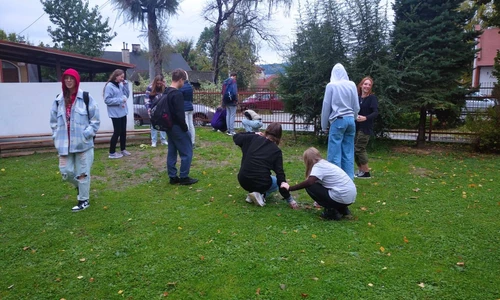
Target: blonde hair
<point>311,156</point>
<point>154,86</point>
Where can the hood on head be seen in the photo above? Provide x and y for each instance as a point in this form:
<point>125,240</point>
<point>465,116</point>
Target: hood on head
<point>74,73</point>
<point>338,73</point>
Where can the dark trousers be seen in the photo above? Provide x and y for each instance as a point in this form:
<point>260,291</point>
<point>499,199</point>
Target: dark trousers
<point>179,142</point>
<point>119,131</point>
<point>320,194</point>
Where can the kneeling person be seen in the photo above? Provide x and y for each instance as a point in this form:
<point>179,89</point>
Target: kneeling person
<point>327,184</point>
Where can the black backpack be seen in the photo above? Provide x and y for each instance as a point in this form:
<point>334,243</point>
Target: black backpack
<point>161,118</point>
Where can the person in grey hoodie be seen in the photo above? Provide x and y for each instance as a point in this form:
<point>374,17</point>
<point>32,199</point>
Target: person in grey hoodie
<point>116,93</point>
<point>340,109</point>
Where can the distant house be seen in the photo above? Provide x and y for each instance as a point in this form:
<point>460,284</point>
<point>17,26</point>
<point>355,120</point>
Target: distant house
<point>141,61</point>
<point>263,81</point>
<point>489,45</point>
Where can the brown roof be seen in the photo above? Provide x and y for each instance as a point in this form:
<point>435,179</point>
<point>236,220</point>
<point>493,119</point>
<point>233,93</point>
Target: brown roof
<point>51,57</point>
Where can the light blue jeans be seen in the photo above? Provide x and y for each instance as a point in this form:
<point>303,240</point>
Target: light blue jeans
<point>190,124</point>
<point>154,137</point>
<point>230,117</point>
<point>273,188</point>
<point>251,125</point>
<point>75,168</point>
<point>341,144</point>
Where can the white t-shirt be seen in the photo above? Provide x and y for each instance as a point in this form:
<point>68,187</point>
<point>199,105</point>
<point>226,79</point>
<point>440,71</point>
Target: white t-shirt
<point>340,186</point>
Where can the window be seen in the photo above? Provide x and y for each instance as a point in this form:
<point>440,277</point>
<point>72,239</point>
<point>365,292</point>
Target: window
<point>10,72</point>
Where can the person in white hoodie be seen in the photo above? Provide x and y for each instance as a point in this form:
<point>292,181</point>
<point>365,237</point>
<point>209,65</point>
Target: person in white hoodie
<point>338,115</point>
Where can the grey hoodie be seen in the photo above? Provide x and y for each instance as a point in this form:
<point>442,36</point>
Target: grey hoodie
<point>341,98</point>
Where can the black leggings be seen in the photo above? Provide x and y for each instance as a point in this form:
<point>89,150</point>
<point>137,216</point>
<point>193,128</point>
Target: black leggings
<point>120,130</point>
<point>320,194</point>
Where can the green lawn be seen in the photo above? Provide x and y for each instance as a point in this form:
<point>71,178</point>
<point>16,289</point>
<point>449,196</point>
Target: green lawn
<point>426,226</point>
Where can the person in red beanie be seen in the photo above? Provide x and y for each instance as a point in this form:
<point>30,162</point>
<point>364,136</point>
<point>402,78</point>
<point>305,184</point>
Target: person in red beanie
<point>74,125</point>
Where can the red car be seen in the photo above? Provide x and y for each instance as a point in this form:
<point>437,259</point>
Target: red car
<point>263,100</point>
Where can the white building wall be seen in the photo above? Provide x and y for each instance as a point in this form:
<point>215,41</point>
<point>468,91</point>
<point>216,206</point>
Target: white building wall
<point>486,80</point>
<point>25,107</point>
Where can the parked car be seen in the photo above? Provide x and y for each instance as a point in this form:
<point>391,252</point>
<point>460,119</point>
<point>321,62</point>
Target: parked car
<point>202,114</point>
<point>263,100</point>
<point>477,102</point>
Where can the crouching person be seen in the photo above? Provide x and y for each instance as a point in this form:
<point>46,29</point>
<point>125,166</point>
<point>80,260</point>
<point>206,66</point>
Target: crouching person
<point>327,184</point>
<point>252,121</point>
<point>261,154</point>
<point>74,119</point>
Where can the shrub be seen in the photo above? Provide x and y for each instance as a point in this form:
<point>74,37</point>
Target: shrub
<point>487,129</point>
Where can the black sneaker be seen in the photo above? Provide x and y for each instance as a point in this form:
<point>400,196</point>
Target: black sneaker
<point>81,206</point>
<point>331,214</point>
<point>174,180</point>
<point>363,175</point>
<point>187,181</point>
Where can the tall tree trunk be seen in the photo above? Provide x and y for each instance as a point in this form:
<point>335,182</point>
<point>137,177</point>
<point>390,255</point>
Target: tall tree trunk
<point>155,56</point>
<point>421,127</point>
<point>216,55</point>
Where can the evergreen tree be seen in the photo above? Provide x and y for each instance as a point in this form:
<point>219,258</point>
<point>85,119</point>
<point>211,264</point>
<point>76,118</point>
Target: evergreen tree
<point>431,34</point>
<point>78,29</point>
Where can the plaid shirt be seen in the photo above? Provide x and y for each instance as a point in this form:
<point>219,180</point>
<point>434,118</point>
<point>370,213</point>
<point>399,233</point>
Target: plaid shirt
<point>82,130</point>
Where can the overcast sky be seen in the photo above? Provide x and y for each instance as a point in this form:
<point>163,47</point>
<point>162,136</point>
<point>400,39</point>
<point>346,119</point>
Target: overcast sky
<point>17,16</point>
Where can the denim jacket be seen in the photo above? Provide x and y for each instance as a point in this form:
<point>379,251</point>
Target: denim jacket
<point>82,130</point>
<point>113,97</point>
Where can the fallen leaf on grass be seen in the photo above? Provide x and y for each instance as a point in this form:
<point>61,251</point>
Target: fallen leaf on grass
<point>282,286</point>
<point>165,294</point>
<point>180,228</point>
<point>26,248</point>
<point>370,284</point>
<point>382,249</point>
<point>80,277</point>
<point>82,259</point>
<point>416,190</point>
<point>460,264</point>
<point>303,295</point>
<point>120,292</point>
<point>314,236</point>
<point>422,285</point>
<point>91,279</point>
<point>315,278</point>
<point>405,239</point>
<point>472,185</point>
<point>363,208</point>
<point>257,292</point>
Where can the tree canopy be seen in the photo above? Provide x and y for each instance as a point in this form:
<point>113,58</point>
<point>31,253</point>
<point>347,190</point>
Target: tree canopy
<point>79,29</point>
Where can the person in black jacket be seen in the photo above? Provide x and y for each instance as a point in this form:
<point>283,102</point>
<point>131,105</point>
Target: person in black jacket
<point>179,138</point>
<point>364,125</point>
<point>261,154</point>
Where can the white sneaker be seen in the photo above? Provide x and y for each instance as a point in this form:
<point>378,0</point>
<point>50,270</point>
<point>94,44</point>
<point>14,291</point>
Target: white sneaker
<point>126,153</point>
<point>257,198</point>
<point>115,155</point>
<point>153,145</point>
<point>248,199</point>
<point>81,206</point>
<point>231,133</point>
<point>164,143</point>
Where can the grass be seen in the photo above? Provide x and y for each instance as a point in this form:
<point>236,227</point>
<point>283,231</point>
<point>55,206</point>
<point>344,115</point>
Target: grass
<point>425,227</point>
